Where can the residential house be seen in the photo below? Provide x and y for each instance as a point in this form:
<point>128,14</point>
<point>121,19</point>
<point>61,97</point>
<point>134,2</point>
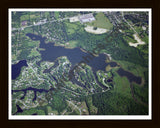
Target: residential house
<point>24,23</point>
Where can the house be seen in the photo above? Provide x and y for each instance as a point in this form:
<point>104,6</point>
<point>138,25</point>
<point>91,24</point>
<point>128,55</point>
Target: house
<point>86,18</point>
<point>23,23</point>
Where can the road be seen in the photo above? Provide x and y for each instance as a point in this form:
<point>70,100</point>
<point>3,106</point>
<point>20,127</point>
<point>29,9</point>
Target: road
<point>71,91</point>
<point>39,23</point>
<point>129,23</point>
<point>75,106</point>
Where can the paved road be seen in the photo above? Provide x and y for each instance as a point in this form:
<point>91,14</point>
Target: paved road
<point>39,23</point>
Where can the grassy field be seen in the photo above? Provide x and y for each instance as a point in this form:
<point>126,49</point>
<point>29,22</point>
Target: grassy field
<point>27,17</point>
<point>137,70</point>
<point>122,86</point>
<point>101,22</point>
<point>72,44</point>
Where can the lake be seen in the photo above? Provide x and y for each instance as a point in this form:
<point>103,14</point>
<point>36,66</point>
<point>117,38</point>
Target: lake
<point>75,56</point>
<point>16,68</point>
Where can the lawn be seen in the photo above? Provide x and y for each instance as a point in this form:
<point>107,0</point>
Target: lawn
<point>72,44</point>
<point>31,17</point>
<point>101,22</point>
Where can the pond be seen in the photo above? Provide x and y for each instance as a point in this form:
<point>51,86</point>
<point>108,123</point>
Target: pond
<point>32,89</point>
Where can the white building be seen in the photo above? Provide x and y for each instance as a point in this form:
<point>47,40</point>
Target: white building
<point>86,18</point>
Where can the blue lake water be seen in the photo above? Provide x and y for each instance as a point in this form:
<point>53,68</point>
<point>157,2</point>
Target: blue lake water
<point>76,56</point>
<point>130,76</point>
<point>16,68</point>
<point>32,89</point>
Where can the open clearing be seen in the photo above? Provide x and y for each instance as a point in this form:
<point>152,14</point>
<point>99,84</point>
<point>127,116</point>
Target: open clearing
<point>74,19</point>
<point>140,42</point>
<point>101,22</point>
<point>90,29</point>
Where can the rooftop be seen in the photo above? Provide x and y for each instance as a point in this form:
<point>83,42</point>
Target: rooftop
<point>86,18</point>
<point>23,23</point>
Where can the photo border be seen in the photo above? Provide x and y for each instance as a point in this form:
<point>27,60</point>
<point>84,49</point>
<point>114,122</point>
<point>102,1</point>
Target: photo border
<point>83,117</point>
<point>6,4</point>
